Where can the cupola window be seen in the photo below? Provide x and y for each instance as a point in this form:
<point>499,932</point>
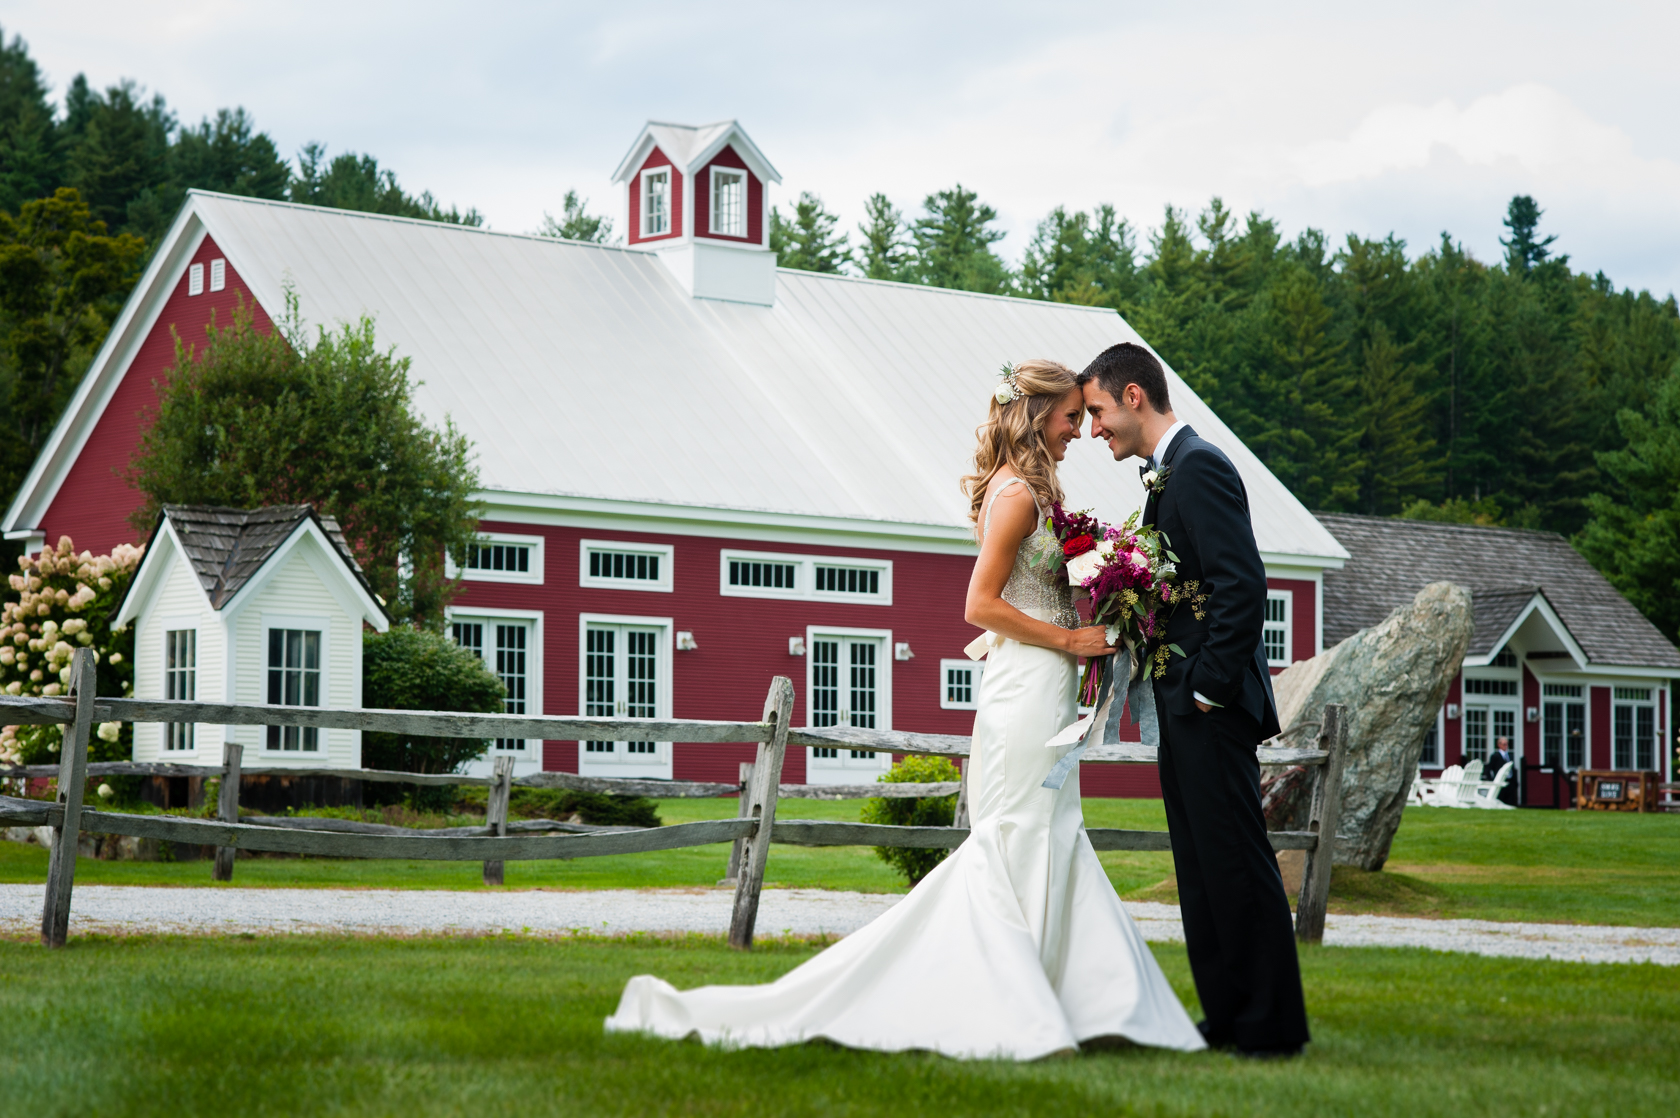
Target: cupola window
<point>729,202</point>
<point>656,203</point>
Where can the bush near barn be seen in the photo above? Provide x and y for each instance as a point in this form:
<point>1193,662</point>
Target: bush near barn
<point>59,601</point>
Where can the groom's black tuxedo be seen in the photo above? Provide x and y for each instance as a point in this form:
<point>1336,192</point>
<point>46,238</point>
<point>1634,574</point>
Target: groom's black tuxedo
<point>1237,925</point>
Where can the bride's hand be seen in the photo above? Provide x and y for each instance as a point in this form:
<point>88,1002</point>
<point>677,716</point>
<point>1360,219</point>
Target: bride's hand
<point>1090,641</point>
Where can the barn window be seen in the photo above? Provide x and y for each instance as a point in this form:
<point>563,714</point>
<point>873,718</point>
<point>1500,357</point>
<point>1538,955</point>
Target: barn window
<point>759,574</point>
<point>656,203</point>
<point>180,681</point>
<point>294,680</point>
<point>729,208</point>
<point>959,683</point>
<point>626,566</point>
<point>218,274</point>
<point>1275,632</point>
<point>497,557</point>
<point>195,280</point>
<point>507,643</point>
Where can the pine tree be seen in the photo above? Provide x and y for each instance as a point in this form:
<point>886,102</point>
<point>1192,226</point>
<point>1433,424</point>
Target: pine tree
<point>953,243</point>
<point>121,151</point>
<point>808,241</point>
<point>1395,462</point>
<point>884,248</point>
<point>1523,249</point>
<point>29,162</point>
<point>1078,258</point>
<point>357,182</point>
<point>575,223</point>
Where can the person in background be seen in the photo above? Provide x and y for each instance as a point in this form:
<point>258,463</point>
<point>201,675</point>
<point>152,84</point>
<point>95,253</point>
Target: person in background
<point>1500,757</point>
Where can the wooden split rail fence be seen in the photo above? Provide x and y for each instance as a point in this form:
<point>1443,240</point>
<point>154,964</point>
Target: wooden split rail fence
<point>501,840</point>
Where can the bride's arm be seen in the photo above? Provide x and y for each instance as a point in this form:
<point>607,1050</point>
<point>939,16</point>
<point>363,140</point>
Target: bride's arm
<point>1013,518</point>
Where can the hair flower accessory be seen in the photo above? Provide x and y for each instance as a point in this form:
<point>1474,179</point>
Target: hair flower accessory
<point>1008,391</point>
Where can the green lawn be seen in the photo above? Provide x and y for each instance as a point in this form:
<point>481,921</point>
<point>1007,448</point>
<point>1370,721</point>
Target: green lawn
<point>303,1025</point>
<point>1585,867</point>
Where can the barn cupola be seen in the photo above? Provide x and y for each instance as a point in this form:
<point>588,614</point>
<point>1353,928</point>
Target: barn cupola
<point>698,197</point>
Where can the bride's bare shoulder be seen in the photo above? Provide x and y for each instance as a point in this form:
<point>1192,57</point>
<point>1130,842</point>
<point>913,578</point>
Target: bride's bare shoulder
<point>1010,508</point>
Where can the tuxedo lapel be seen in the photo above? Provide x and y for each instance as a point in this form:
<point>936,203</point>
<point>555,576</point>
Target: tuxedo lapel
<point>1152,499</point>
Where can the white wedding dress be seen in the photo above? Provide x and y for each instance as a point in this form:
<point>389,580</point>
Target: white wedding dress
<point>1015,946</point>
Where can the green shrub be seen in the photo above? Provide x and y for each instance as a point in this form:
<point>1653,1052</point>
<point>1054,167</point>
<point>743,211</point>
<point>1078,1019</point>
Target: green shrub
<point>601,809</point>
<point>930,811</point>
<point>417,669</point>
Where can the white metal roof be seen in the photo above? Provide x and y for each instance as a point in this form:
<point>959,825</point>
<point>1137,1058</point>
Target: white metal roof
<point>585,371</point>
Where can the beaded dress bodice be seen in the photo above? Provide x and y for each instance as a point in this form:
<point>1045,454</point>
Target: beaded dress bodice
<point>1033,587</point>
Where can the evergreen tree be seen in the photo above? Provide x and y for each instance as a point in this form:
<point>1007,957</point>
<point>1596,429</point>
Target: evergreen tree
<point>1523,248</point>
<point>808,241</point>
<point>575,223</point>
<point>29,162</point>
<point>357,182</point>
<point>884,247</point>
<point>120,151</point>
<point>953,243</point>
<point>1078,258</point>
<point>1395,465</point>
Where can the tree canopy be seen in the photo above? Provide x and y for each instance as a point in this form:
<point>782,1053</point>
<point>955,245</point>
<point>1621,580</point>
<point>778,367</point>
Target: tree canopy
<point>808,240</point>
<point>255,417</point>
<point>576,224</point>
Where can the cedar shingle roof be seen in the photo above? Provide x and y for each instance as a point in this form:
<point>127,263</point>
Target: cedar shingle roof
<point>228,546</point>
<point>1503,568</point>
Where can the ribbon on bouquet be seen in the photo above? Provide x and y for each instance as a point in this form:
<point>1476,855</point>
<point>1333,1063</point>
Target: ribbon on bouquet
<point>1104,723</point>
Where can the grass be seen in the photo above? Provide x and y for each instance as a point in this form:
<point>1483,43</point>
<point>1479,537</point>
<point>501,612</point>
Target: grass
<point>1549,866</point>
<point>297,1025</point>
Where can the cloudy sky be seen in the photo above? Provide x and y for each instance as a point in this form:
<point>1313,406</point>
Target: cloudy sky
<point>1413,118</point>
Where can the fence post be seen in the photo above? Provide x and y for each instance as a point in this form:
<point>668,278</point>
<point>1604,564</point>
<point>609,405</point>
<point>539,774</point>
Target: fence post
<point>743,808</point>
<point>766,782</point>
<point>72,783</point>
<point>227,807</point>
<point>1326,815</point>
<point>959,817</point>
<point>496,816</point>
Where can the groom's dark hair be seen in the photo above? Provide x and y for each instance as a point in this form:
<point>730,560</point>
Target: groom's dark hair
<point>1129,363</point>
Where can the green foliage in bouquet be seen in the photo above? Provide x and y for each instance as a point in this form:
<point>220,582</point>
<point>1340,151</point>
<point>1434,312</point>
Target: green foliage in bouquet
<point>59,601</point>
<point>417,669</point>
<point>928,811</point>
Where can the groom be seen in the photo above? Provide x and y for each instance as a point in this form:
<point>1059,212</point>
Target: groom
<point>1214,705</point>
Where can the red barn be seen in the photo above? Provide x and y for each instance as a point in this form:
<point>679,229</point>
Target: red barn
<point>700,470</point>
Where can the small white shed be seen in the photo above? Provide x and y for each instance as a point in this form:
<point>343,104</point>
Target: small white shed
<point>250,606</point>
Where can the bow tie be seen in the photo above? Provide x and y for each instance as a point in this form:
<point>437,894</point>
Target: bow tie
<point>1145,468</point>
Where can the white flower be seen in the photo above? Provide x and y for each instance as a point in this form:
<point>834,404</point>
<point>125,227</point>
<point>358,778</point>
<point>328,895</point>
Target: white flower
<point>1004,393</point>
<point>106,791</point>
<point>1150,478</point>
<point>1083,568</point>
<point>109,731</point>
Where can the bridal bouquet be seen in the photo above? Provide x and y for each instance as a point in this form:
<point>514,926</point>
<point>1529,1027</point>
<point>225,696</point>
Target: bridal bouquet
<point>1131,576</point>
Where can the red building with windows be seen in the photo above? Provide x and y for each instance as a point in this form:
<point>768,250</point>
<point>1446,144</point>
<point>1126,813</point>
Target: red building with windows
<point>700,470</point>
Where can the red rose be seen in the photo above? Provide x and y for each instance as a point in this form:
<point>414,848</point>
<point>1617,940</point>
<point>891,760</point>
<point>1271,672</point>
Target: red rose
<point>1079,545</point>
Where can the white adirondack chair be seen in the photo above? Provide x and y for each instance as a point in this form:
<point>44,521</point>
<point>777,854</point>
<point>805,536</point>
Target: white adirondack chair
<point>1467,785</point>
<point>1487,791</point>
<point>1443,791</point>
<point>1419,793</point>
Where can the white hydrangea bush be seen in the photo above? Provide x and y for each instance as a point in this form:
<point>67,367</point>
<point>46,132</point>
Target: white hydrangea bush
<point>57,602</point>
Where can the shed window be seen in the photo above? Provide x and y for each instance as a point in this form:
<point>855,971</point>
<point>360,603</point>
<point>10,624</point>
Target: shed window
<point>729,202</point>
<point>656,203</point>
<point>294,680</point>
<point>1275,631</point>
<point>195,279</point>
<point>180,681</point>
<point>218,274</point>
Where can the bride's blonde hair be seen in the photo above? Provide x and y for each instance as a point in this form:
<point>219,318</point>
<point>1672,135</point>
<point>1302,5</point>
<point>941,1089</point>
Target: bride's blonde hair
<point>1013,434</point>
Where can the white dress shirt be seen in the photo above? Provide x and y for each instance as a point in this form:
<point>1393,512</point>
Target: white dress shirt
<point>1155,457</point>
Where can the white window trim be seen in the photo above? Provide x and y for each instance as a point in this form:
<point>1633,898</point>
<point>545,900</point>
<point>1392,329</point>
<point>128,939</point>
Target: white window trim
<point>712,197</point>
<point>175,624</point>
<point>822,770</point>
<point>323,624</point>
<point>667,553</point>
<point>218,273</point>
<point>533,665</point>
<point>1656,705</point>
<point>805,578</point>
<point>1287,597</point>
<point>533,577</point>
<point>979,669</point>
<point>664,759</point>
<point>670,173</point>
<point>195,279</point>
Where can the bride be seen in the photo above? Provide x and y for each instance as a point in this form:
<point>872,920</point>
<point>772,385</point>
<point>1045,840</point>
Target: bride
<point>1015,946</point>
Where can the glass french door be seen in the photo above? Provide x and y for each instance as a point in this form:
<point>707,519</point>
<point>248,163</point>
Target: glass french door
<point>504,646</point>
<point>1563,734</point>
<point>848,685</point>
<point>622,666</point>
<point>1484,725</point>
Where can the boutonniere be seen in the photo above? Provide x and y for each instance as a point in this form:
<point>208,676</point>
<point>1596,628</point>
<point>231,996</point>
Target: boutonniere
<point>1156,480</point>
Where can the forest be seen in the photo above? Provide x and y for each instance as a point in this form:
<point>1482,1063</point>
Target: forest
<point>1370,375</point>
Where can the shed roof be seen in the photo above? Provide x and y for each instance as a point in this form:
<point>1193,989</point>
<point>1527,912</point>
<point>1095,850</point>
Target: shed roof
<point>227,547</point>
<point>1503,568</point>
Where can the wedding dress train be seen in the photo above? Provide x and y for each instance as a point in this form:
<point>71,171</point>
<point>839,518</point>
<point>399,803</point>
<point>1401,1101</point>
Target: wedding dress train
<point>1015,946</point>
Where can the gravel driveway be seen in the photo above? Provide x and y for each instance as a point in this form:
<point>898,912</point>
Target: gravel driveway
<point>129,909</point>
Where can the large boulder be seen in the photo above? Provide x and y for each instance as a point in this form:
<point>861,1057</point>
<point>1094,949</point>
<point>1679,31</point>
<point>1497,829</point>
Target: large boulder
<point>1393,678</point>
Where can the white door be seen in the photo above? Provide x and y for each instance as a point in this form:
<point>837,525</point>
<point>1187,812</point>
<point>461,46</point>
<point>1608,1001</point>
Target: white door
<point>849,685</point>
<point>508,647</point>
<point>622,679</point>
<point>1485,724</point>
